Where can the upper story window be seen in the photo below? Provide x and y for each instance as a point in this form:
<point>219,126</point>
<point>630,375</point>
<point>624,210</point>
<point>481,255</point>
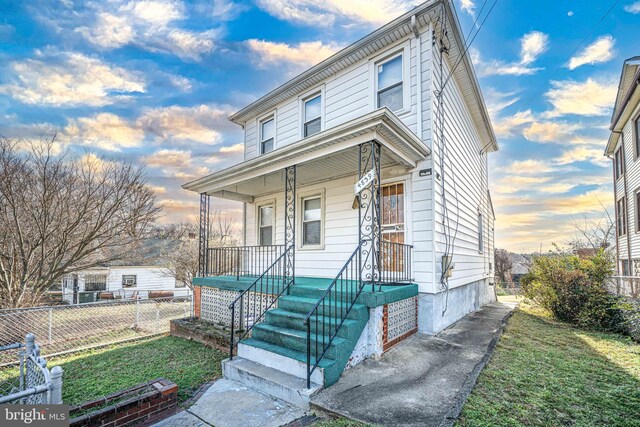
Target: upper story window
<point>636,129</point>
<point>312,115</point>
<point>267,135</point>
<point>618,163</point>
<point>390,92</point>
<point>266,218</point>
<point>622,216</point>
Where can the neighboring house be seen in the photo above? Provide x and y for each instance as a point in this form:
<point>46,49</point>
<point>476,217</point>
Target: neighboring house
<point>120,282</point>
<point>623,148</point>
<point>366,204</point>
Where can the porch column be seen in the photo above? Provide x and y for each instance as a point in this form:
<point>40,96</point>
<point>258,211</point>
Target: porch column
<point>203,240</point>
<point>369,213</point>
<point>290,222</point>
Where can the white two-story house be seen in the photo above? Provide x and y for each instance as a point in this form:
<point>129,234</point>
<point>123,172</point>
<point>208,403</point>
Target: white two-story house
<point>367,213</point>
<point>623,148</point>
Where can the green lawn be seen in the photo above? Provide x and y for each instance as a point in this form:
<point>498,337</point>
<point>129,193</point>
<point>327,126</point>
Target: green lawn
<point>100,372</point>
<point>545,373</point>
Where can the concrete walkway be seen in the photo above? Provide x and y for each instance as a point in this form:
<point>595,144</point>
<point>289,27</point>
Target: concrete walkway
<point>425,380</point>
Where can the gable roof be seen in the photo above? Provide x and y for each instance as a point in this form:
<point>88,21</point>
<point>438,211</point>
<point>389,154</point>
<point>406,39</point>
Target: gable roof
<point>627,96</point>
<point>400,27</point>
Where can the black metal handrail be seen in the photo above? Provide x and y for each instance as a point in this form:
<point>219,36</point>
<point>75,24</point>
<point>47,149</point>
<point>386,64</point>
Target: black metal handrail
<point>274,282</point>
<point>334,306</point>
<point>241,261</point>
<point>396,262</point>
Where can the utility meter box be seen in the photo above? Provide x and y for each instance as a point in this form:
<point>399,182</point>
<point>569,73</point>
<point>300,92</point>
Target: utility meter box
<point>447,265</point>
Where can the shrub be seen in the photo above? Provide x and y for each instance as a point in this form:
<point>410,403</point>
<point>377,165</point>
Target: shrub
<point>573,290</point>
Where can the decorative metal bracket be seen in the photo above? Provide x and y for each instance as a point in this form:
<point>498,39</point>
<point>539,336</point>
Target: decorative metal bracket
<point>203,242</point>
<point>369,230</point>
<point>290,221</point>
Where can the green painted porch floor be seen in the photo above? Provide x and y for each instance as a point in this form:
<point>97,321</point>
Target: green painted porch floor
<point>314,287</point>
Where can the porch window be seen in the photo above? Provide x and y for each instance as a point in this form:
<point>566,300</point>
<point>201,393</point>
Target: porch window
<point>129,281</point>
<point>267,134</point>
<point>390,87</point>
<point>637,196</point>
<point>266,225</point>
<point>636,129</point>
<point>95,282</point>
<point>312,116</point>
<point>622,216</point>
<point>480,233</point>
<point>312,221</point>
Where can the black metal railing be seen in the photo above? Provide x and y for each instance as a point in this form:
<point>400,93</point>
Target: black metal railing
<point>249,308</point>
<point>396,262</point>
<point>241,261</point>
<point>327,316</point>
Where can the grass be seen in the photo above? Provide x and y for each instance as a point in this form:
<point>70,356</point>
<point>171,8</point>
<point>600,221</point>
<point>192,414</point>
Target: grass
<point>546,373</point>
<point>100,372</point>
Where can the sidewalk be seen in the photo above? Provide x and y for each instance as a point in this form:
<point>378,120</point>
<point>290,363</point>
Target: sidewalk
<point>423,381</point>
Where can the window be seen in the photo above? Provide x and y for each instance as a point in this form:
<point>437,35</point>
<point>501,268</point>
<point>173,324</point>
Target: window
<point>637,136</point>
<point>267,134</point>
<point>622,216</point>
<point>638,211</point>
<point>265,234</point>
<point>480,233</point>
<point>95,282</point>
<point>618,163</point>
<point>626,267</point>
<point>312,221</point>
<point>390,91</point>
<point>129,280</point>
<point>312,114</point>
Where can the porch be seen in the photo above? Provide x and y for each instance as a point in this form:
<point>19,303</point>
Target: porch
<point>326,248</point>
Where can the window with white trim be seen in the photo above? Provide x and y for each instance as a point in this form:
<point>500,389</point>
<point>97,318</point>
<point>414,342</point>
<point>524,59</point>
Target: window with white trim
<point>622,216</point>
<point>312,116</point>
<point>636,141</point>
<point>389,88</point>
<point>267,135</point>
<point>480,233</point>
<point>312,221</point>
<point>618,163</point>
<point>265,225</point>
<point>95,282</point>
<point>129,281</point>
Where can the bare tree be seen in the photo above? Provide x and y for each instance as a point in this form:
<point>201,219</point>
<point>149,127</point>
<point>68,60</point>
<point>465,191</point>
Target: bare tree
<point>593,234</point>
<point>504,264</point>
<point>60,214</point>
<point>180,245</point>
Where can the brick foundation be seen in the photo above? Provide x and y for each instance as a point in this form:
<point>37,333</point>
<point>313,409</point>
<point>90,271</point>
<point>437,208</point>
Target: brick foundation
<point>197,295</point>
<point>155,396</point>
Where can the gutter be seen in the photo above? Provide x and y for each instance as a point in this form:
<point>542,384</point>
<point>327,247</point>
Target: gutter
<point>625,101</point>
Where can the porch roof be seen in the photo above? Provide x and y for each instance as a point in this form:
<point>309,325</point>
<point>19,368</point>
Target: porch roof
<point>327,155</point>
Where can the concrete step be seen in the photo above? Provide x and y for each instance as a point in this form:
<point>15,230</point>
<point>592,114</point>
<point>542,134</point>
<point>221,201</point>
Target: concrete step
<point>294,320</point>
<point>297,340</point>
<point>335,309</point>
<point>270,381</point>
<point>283,359</point>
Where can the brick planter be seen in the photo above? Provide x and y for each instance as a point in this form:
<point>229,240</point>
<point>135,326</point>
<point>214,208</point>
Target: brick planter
<point>127,407</point>
<point>206,333</point>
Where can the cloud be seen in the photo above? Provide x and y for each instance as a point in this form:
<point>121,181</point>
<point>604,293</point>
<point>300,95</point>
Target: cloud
<point>303,54</point>
<point>148,24</point>
<point>326,13</point>
<point>633,7</point>
<point>105,130</point>
<point>588,98</point>
<point>528,166</point>
<point>468,6</point>
<point>532,45</point>
<point>198,123</point>
<point>599,51</point>
<point>236,148</point>
<point>592,154</point>
<point>175,164</point>
<point>70,79</point>
<point>506,127</point>
<point>547,131</point>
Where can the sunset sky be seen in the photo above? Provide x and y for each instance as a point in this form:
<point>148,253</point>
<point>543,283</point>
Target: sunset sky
<point>154,82</point>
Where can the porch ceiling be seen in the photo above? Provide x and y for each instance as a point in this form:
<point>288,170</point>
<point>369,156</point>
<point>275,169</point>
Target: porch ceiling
<point>330,154</point>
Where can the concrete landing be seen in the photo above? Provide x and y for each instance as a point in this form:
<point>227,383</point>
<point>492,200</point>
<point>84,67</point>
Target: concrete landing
<point>425,380</point>
<point>229,404</point>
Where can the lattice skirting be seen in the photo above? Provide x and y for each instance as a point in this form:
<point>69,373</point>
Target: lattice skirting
<point>400,320</point>
<point>214,306</point>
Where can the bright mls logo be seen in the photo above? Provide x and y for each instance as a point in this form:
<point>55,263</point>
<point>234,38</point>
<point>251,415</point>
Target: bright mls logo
<point>34,415</point>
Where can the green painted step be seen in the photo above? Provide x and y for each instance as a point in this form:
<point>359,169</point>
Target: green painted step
<point>304,305</point>
<point>297,340</point>
<point>295,320</point>
<point>325,363</point>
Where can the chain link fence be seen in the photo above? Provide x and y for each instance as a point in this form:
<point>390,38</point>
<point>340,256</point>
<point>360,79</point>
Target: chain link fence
<point>65,329</point>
